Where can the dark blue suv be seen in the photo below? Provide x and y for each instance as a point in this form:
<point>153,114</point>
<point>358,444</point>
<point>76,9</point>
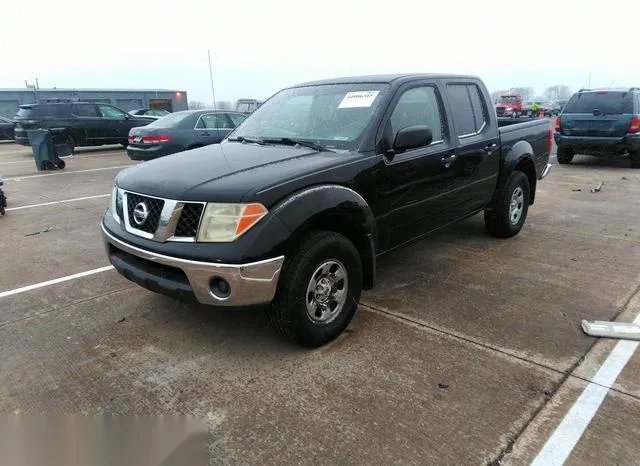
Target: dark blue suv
<point>603,123</point>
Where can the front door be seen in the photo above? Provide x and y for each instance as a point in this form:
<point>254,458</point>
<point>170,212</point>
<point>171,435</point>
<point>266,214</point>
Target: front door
<point>414,187</point>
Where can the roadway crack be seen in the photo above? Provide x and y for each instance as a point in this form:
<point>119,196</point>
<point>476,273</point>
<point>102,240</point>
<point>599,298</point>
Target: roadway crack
<point>65,306</point>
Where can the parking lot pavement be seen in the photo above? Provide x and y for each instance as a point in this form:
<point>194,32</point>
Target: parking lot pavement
<point>577,256</point>
<point>468,351</point>
<point>371,396</point>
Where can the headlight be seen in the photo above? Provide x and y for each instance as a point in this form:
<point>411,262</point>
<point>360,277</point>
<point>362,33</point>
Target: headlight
<point>223,223</point>
<point>116,204</point>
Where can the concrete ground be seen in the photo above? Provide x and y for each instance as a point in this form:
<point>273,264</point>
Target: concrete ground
<point>468,351</point>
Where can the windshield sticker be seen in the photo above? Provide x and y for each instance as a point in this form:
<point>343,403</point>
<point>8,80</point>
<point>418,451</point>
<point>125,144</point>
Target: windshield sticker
<point>358,99</point>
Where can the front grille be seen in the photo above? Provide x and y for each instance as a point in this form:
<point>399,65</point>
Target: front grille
<point>189,220</point>
<point>154,208</point>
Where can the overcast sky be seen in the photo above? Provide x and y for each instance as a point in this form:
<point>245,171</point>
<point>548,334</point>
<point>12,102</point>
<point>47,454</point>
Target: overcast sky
<point>261,46</point>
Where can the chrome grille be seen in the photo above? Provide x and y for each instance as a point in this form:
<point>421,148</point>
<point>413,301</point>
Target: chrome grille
<point>189,221</point>
<point>154,208</point>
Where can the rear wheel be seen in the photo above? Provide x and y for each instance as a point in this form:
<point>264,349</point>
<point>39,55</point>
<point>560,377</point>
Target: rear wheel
<point>635,159</point>
<point>319,290</point>
<point>564,156</point>
<point>508,216</point>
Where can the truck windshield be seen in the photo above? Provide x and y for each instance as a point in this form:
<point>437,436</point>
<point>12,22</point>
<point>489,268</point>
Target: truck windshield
<point>508,98</point>
<point>334,115</point>
<point>608,102</point>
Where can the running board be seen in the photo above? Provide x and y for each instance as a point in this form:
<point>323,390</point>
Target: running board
<point>603,328</point>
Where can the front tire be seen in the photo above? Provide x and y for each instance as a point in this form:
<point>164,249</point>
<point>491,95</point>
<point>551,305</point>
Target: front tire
<point>319,290</point>
<point>508,216</point>
<point>564,156</point>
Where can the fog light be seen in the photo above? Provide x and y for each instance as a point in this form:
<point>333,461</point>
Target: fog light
<point>220,287</point>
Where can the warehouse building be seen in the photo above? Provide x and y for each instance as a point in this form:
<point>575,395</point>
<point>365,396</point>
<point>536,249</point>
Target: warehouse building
<point>125,99</point>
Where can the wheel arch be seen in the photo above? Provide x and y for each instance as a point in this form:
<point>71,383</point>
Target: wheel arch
<point>332,208</point>
<point>520,158</point>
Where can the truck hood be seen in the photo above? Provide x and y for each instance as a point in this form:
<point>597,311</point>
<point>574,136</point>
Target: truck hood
<point>226,172</point>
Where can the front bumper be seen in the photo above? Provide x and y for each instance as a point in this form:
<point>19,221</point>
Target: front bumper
<point>248,284</point>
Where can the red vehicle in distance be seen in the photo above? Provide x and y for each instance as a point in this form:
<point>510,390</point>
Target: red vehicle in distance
<point>509,105</point>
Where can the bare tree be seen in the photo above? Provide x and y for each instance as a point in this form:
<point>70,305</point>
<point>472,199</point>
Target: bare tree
<point>526,92</point>
<point>495,95</point>
<point>195,105</point>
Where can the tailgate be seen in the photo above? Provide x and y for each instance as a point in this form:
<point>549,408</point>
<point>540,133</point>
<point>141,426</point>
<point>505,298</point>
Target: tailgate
<point>595,125</point>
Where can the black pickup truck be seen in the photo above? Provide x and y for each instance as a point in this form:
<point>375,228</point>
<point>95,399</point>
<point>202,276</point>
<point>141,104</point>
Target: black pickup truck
<point>294,207</point>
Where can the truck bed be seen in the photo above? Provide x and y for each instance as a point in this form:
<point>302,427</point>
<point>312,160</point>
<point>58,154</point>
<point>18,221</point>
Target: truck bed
<point>533,130</point>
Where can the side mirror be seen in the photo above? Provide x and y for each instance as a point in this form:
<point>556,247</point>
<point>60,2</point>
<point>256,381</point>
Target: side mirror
<point>412,137</point>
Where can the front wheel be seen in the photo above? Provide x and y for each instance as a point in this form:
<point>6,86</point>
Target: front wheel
<point>508,216</point>
<point>319,289</point>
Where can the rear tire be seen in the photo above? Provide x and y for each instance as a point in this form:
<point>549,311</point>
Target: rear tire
<point>319,290</point>
<point>512,206</point>
<point>635,159</point>
<point>564,156</point>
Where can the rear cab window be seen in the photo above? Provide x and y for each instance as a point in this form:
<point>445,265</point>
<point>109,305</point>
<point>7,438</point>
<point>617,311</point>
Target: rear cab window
<point>470,114</point>
<point>607,102</point>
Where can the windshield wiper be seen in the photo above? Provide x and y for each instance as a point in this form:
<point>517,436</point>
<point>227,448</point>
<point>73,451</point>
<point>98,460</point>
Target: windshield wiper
<point>247,139</point>
<point>293,142</point>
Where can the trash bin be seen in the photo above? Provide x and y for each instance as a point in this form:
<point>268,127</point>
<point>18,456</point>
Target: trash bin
<point>45,152</point>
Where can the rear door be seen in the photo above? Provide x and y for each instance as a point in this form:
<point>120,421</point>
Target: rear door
<point>598,114</point>
<point>477,163</point>
<point>237,118</point>
<point>211,128</point>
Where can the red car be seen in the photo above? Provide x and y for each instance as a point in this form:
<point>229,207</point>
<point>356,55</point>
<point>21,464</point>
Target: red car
<point>509,105</point>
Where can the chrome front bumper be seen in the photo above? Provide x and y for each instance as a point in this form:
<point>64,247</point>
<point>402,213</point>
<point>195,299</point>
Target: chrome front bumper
<point>252,283</point>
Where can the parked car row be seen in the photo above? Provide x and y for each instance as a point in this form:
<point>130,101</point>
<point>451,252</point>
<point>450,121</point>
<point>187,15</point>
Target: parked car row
<point>511,105</point>
<point>146,133</point>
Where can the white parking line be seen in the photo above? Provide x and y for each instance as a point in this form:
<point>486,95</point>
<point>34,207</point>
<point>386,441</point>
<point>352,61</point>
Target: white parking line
<point>58,202</point>
<point>4,294</point>
<point>18,178</point>
<point>566,436</point>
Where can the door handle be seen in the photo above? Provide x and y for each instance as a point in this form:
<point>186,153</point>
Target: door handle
<point>490,148</point>
<point>204,134</point>
<point>447,159</point>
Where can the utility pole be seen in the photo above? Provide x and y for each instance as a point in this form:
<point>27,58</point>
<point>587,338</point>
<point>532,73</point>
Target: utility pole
<point>213,92</point>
